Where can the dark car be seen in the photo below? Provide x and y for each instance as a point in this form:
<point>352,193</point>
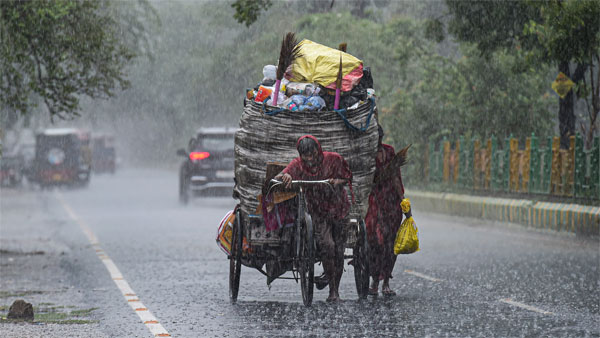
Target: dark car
<point>11,169</point>
<point>103,154</point>
<point>62,157</point>
<point>209,163</point>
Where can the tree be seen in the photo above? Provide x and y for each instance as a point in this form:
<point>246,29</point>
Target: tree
<point>495,25</point>
<point>56,51</point>
<point>569,31</point>
<point>248,11</point>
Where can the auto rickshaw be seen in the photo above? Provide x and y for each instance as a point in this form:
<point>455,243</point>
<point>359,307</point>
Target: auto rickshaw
<point>62,157</point>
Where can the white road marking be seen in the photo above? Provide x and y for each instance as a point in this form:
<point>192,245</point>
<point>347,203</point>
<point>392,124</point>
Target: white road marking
<point>422,276</point>
<point>525,306</point>
<point>130,296</point>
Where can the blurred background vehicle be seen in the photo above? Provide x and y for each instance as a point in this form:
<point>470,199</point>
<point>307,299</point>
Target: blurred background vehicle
<point>11,169</point>
<point>103,154</point>
<point>62,157</point>
<point>208,164</point>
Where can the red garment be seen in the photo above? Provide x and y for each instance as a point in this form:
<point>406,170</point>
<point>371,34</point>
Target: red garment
<point>322,201</point>
<point>383,219</point>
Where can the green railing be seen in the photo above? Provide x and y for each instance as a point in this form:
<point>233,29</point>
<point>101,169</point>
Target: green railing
<point>510,166</point>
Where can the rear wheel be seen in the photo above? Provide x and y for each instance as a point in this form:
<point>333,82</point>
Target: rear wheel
<point>361,261</point>
<point>184,190</point>
<point>235,260</point>
<point>306,260</point>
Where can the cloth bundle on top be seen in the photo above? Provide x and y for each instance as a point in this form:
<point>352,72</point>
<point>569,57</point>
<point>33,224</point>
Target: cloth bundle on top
<point>320,64</point>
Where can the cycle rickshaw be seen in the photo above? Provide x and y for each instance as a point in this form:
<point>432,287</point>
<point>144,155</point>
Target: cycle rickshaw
<point>268,135</point>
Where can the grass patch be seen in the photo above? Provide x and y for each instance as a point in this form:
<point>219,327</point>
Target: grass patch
<point>84,312</point>
<point>50,314</point>
<point>53,315</point>
<point>7,294</point>
<point>71,321</point>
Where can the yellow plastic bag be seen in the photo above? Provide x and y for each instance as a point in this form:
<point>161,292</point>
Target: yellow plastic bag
<point>320,64</point>
<point>407,240</point>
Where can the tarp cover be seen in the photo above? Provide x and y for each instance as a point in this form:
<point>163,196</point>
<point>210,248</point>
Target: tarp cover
<point>262,138</point>
<point>320,64</point>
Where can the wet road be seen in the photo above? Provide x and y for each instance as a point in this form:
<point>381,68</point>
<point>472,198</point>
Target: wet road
<point>469,279</point>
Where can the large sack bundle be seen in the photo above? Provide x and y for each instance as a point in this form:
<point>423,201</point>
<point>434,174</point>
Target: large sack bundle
<point>263,138</point>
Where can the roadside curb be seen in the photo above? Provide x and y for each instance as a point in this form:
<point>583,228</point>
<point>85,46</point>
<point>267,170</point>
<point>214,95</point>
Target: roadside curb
<point>582,220</point>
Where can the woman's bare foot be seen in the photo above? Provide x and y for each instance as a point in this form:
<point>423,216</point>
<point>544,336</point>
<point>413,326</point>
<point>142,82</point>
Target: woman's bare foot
<point>334,297</point>
<point>385,289</point>
<point>374,288</point>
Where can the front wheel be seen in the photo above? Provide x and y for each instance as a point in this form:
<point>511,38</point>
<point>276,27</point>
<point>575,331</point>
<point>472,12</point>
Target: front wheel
<point>361,261</point>
<point>235,260</point>
<point>307,260</point>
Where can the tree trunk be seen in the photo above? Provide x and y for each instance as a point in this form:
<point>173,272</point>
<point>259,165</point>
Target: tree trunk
<point>566,114</point>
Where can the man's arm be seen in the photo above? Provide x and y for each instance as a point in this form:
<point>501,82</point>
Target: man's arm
<point>397,182</point>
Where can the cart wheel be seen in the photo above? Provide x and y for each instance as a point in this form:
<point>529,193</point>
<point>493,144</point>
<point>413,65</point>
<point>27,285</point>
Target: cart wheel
<point>235,261</point>
<point>307,260</point>
<point>361,261</point>
<point>184,191</point>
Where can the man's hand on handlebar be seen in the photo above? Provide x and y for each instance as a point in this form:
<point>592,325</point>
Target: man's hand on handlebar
<point>337,181</point>
<point>287,180</point>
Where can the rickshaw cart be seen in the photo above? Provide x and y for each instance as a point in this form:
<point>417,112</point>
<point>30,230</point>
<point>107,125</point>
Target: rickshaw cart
<point>269,134</point>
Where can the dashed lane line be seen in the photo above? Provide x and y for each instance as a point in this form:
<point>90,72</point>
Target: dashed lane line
<point>130,296</point>
<point>525,306</point>
<point>418,274</point>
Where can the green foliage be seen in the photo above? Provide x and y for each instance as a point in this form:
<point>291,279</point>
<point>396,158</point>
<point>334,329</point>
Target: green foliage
<point>248,11</point>
<point>204,63</point>
<point>57,51</point>
<point>492,25</point>
<point>567,30</point>
<point>472,96</point>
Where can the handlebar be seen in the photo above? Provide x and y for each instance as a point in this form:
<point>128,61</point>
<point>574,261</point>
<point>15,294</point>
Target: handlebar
<point>300,183</point>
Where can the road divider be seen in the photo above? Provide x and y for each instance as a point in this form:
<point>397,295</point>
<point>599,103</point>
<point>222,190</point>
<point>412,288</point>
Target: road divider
<point>130,296</point>
<point>582,220</point>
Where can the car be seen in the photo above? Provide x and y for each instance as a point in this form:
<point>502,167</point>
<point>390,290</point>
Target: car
<point>208,164</point>
<point>62,157</point>
<point>103,154</point>
<point>11,170</point>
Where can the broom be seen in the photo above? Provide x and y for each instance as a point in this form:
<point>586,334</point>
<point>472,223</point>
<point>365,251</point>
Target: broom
<point>338,86</point>
<point>288,53</point>
<point>343,47</point>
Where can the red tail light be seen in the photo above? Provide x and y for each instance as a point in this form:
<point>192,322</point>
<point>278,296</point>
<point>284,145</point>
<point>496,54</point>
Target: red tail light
<point>199,155</point>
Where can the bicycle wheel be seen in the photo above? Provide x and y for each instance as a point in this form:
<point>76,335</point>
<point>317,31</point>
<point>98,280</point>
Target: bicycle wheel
<point>235,260</point>
<point>361,261</point>
<point>307,260</point>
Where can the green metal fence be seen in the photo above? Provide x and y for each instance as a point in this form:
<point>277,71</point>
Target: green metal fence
<point>516,166</point>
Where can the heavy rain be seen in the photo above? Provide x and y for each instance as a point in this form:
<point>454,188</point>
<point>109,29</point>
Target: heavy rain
<point>315,168</point>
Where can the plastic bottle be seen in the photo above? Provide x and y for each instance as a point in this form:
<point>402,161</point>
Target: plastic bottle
<point>263,93</point>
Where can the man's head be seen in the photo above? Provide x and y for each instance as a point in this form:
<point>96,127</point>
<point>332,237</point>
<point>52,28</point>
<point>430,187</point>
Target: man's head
<point>309,152</point>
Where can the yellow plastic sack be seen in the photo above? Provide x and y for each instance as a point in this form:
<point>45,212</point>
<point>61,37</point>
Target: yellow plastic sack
<point>405,205</point>
<point>407,240</point>
<point>320,64</point>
